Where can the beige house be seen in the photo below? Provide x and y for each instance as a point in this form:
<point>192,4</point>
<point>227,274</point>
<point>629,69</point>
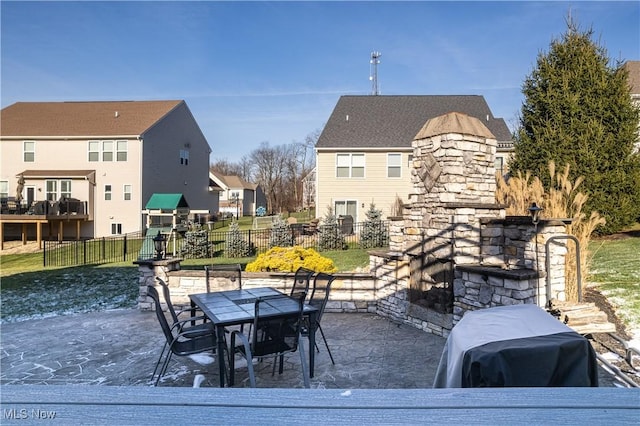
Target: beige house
<point>633,68</point>
<point>107,157</point>
<point>364,153</point>
<point>237,196</point>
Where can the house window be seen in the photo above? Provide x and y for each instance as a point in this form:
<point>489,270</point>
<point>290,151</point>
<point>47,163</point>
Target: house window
<point>56,189</point>
<point>121,150</point>
<point>347,207</point>
<point>107,192</point>
<point>51,187</point>
<point>65,188</point>
<point>499,163</point>
<point>127,192</point>
<point>94,151</point>
<point>410,160</point>
<point>107,150</point>
<point>394,165</point>
<point>29,151</point>
<point>116,228</point>
<point>184,157</point>
<point>350,165</point>
<point>4,189</point>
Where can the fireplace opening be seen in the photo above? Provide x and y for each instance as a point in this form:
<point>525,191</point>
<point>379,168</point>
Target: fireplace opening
<point>431,283</point>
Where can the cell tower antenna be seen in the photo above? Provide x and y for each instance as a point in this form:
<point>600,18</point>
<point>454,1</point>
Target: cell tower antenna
<point>375,60</point>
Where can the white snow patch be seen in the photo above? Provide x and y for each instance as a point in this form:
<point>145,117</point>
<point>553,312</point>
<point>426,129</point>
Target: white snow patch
<point>203,359</point>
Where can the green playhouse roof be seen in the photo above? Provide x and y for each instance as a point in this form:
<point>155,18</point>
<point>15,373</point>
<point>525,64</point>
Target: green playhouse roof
<point>166,202</point>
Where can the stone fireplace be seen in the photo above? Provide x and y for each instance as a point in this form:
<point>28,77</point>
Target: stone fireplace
<point>459,249</point>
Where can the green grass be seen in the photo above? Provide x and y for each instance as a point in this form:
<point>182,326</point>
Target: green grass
<point>615,268</point>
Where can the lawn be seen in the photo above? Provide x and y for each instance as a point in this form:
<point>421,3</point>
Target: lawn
<point>615,269</point>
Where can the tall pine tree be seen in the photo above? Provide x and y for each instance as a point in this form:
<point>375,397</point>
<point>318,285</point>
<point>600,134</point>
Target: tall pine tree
<point>578,111</point>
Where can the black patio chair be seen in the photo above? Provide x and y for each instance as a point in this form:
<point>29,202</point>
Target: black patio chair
<point>270,337</point>
<point>195,314</point>
<point>233,271</point>
<point>319,298</point>
<point>180,340</point>
<point>301,281</point>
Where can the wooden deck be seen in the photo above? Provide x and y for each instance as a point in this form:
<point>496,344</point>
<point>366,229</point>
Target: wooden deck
<point>55,224</point>
<point>149,405</point>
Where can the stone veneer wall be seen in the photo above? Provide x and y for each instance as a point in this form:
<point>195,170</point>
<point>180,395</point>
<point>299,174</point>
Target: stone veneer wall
<point>383,291</point>
<point>350,292</point>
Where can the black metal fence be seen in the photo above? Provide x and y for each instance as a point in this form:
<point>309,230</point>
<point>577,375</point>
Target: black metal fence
<point>204,243</point>
<point>121,248</point>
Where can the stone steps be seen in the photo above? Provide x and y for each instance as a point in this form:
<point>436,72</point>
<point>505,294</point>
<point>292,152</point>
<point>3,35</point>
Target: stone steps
<point>584,318</point>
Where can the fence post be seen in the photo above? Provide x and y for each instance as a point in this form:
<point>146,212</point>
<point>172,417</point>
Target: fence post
<point>84,252</point>
<point>44,253</point>
<point>249,239</point>
<point>124,249</point>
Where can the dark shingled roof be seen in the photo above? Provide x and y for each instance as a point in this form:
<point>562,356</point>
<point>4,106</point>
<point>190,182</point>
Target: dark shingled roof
<point>393,121</point>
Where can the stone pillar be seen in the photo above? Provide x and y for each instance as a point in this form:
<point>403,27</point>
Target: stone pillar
<point>148,270</point>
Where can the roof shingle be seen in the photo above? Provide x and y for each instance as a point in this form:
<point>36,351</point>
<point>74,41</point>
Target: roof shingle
<point>393,121</point>
<point>82,119</point>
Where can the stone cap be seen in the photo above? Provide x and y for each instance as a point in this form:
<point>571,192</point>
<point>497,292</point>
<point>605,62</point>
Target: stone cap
<point>495,271</point>
<point>454,122</point>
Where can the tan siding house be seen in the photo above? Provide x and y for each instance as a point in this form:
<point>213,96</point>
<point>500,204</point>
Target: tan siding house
<point>364,153</point>
<point>111,156</point>
<point>249,195</point>
<point>633,68</point>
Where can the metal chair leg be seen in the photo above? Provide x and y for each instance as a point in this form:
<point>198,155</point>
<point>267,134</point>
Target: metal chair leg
<point>326,344</point>
<point>303,363</point>
<point>155,370</point>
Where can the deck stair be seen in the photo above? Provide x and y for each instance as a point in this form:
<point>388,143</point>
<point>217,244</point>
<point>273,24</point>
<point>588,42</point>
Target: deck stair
<point>584,318</point>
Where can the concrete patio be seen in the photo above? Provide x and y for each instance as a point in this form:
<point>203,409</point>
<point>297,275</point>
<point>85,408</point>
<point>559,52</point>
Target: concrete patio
<point>121,348</point>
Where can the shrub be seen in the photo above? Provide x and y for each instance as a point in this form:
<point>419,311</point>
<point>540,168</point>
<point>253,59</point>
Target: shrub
<point>331,237</point>
<point>281,235</point>
<point>196,245</point>
<point>374,232</point>
<point>289,259</point>
<point>235,245</point>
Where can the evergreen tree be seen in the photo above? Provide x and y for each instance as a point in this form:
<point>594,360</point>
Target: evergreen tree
<point>235,245</point>
<point>281,235</point>
<point>374,232</point>
<point>578,111</point>
<point>330,237</point>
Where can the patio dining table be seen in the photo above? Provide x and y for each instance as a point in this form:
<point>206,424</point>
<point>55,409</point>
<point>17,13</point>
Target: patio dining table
<point>236,307</point>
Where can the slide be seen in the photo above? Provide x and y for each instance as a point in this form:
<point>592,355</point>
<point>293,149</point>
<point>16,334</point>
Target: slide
<point>148,251</point>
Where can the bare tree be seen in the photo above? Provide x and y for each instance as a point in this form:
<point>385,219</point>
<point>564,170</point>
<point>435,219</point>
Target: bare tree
<point>246,168</point>
<point>225,168</point>
<point>268,172</point>
<point>279,170</point>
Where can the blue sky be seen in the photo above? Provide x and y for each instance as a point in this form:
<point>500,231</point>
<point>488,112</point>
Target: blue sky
<point>255,72</point>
